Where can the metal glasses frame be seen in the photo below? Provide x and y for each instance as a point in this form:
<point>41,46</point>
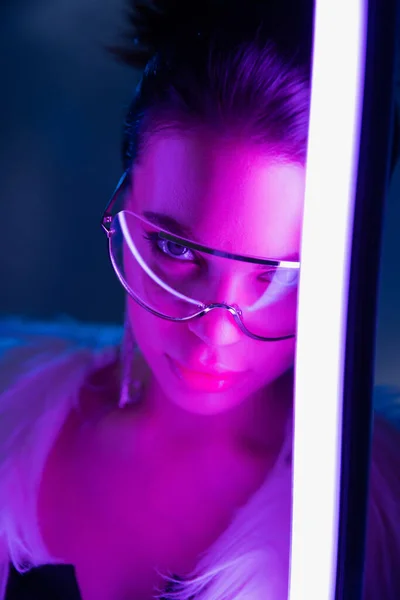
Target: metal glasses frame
<point>233,309</point>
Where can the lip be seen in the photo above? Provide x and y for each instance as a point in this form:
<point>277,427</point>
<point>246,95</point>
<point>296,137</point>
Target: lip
<point>202,381</point>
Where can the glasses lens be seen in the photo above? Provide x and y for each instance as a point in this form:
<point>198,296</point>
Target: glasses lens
<point>177,281</point>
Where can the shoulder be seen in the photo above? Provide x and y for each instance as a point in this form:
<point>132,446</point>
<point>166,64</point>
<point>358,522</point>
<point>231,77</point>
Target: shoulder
<point>382,579</point>
<point>385,458</point>
<point>42,367</point>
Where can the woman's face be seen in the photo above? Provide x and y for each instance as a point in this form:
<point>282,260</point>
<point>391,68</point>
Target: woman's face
<point>235,197</point>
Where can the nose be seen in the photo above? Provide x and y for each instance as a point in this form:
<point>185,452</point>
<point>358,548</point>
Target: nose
<point>216,328</point>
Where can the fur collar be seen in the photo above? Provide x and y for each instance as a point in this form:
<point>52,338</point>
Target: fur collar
<point>248,562</point>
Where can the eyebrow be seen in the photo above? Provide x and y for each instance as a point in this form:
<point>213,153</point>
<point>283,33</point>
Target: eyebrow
<point>173,226</point>
<point>168,223</point>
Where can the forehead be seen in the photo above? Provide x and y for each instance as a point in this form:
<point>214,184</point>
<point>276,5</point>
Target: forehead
<point>227,194</point>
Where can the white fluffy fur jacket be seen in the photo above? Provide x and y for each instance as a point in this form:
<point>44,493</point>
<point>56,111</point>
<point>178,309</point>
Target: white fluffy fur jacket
<point>42,367</point>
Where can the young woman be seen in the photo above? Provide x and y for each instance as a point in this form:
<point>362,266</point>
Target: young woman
<point>168,456</point>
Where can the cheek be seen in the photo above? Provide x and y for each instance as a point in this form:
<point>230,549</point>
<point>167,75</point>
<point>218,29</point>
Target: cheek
<point>144,325</point>
<point>270,360</point>
<point>267,361</point>
<point>151,333</point>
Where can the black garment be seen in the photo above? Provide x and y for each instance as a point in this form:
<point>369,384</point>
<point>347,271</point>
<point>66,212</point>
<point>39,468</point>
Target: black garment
<point>50,582</point>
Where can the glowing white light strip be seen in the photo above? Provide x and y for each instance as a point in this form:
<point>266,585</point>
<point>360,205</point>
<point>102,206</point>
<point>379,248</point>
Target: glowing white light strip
<point>337,92</point>
<point>153,276</point>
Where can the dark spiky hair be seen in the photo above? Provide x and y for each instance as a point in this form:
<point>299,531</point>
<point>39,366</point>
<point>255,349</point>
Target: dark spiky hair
<point>218,61</point>
<point>226,64</point>
<point>159,25</point>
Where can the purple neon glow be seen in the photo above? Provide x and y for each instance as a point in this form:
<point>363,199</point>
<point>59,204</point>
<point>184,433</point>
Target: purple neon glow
<point>337,92</point>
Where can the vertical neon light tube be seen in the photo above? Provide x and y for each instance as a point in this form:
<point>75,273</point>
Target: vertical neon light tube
<point>336,105</point>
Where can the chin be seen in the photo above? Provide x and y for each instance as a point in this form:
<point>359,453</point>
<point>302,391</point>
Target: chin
<point>206,405</point>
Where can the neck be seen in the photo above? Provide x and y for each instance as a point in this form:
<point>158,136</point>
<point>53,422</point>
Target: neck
<point>256,425</point>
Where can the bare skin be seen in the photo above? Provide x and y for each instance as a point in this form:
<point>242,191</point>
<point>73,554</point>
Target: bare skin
<point>120,496</point>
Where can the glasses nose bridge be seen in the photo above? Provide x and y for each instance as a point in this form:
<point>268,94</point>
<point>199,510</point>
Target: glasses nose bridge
<point>233,309</point>
<point>219,330</point>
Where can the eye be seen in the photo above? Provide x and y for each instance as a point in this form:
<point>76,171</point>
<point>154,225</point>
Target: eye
<point>175,250</point>
<point>170,249</point>
<point>282,276</point>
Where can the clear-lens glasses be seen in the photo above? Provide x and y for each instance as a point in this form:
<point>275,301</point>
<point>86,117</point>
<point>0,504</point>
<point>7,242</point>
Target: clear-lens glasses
<point>178,279</point>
